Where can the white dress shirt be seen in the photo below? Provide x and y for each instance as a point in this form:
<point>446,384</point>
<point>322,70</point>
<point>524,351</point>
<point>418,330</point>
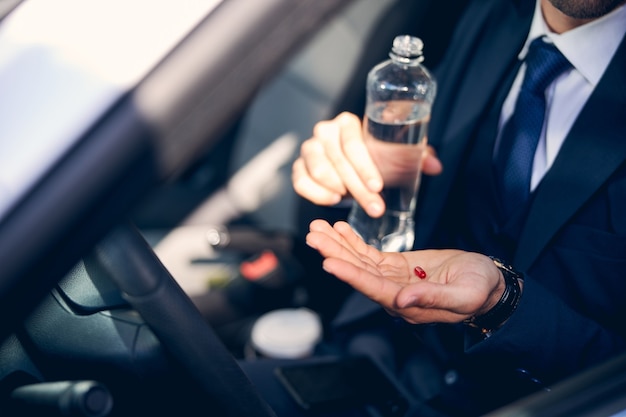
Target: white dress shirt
<point>589,48</point>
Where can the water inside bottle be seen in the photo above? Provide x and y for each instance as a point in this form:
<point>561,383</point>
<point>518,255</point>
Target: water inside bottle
<point>392,128</point>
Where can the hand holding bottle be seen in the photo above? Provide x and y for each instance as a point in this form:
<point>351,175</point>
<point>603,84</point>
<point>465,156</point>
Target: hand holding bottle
<point>337,162</point>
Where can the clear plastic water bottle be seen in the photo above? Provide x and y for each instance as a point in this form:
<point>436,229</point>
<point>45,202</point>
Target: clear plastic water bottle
<point>400,93</point>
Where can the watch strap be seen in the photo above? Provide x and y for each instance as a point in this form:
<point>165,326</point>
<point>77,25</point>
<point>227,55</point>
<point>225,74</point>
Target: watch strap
<point>498,314</point>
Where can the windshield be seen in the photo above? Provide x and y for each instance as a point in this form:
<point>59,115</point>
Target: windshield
<point>59,74</point>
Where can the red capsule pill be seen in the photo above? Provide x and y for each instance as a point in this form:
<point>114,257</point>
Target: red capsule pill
<point>419,272</point>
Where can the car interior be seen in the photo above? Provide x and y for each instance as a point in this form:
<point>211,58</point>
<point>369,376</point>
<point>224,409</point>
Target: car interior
<point>147,221</point>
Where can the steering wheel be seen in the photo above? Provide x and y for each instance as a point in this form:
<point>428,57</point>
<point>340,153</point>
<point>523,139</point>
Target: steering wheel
<point>151,290</point>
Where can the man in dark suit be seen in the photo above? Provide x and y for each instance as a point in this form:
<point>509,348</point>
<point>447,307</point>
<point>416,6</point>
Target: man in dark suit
<point>568,239</point>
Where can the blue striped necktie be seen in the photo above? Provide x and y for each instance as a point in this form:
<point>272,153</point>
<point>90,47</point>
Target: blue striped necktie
<point>520,136</point>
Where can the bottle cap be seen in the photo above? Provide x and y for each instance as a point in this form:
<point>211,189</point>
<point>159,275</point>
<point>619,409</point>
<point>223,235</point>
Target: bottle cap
<point>408,47</point>
<point>288,333</point>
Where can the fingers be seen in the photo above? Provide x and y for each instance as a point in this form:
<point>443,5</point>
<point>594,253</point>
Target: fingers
<point>431,165</point>
<point>365,251</point>
<point>317,192</point>
<point>379,289</point>
<point>377,275</point>
<point>341,242</point>
<point>357,264</point>
<point>357,153</point>
<point>335,163</point>
<point>313,175</point>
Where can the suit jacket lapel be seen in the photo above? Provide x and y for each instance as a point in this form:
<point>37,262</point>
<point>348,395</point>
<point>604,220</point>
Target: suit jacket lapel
<point>483,58</point>
<point>592,151</point>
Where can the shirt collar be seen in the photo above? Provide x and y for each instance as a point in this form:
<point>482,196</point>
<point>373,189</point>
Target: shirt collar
<point>590,47</point>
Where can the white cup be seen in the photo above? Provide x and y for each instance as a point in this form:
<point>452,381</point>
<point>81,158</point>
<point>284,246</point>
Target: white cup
<point>289,333</point>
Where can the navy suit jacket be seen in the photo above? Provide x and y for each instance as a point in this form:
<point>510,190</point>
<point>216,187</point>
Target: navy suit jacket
<point>572,246</point>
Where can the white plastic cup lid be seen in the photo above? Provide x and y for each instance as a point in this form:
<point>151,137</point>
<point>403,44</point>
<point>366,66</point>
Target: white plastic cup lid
<point>286,333</point>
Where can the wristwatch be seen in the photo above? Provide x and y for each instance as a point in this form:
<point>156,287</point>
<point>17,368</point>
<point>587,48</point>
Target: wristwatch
<point>494,318</point>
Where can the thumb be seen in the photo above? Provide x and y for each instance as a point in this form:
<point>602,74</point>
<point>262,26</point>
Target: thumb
<point>431,165</point>
<point>432,295</point>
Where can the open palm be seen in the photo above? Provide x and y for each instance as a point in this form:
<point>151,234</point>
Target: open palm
<point>458,284</point>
